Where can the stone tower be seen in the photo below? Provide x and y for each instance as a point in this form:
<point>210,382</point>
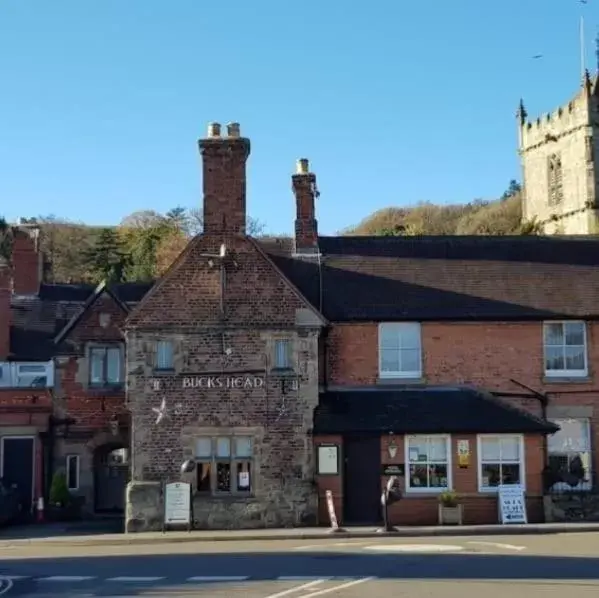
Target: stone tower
<point>558,152</point>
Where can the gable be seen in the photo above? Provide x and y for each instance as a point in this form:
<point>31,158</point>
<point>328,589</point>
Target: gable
<point>195,292</point>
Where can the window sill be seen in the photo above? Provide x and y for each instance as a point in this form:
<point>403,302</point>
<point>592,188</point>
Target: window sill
<point>112,389</point>
<point>495,490</point>
<point>422,492</point>
<point>224,497</point>
<point>163,371</point>
<point>398,380</point>
<point>282,371</point>
<point>565,379</point>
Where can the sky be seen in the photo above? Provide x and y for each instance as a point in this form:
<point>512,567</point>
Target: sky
<point>392,101</point>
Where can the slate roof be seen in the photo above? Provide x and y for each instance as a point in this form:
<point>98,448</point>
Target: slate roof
<point>448,278</point>
<point>424,410</point>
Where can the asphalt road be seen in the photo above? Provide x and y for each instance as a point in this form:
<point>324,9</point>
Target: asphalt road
<point>524,566</point>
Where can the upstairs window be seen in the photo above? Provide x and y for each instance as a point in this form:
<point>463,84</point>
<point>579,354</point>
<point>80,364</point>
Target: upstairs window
<point>165,355</point>
<point>105,366</point>
<point>282,354</point>
<point>565,349</point>
<point>400,351</point>
<point>554,183</point>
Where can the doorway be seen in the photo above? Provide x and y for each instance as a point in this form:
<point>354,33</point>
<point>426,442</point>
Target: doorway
<point>111,475</point>
<point>362,481</point>
<point>17,468</point>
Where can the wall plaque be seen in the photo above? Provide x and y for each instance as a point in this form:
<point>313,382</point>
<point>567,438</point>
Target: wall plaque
<point>393,469</point>
<point>215,382</point>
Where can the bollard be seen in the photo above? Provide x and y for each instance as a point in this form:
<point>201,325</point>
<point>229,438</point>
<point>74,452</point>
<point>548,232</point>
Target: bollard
<point>40,509</point>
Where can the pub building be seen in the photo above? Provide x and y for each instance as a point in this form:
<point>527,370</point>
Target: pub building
<point>286,367</point>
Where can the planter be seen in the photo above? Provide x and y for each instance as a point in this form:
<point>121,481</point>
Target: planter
<point>451,515</point>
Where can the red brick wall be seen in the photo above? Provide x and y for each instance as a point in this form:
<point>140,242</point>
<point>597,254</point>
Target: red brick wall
<point>334,483</point>
<point>4,311</point>
<point>27,263</point>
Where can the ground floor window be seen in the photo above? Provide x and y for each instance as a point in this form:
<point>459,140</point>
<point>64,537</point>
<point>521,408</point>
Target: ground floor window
<point>570,463</point>
<point>224,465</point>
<point>72,472</point>
<point>429,467</point>
<point>500,461</point>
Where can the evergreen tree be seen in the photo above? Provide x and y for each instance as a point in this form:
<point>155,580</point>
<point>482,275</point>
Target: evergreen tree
<point>5,240</point>
<point>106,260</point>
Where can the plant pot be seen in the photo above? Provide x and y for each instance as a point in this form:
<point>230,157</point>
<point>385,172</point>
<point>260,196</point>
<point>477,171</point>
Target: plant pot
<point>451,515</point>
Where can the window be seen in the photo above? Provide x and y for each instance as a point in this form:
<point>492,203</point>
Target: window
<point>400,350</point>
<point>224,465</point>
<point>164,355</point>
<point>500,461</point>
<point>428,457</point>
<point>570,455</point>
<point>105,366</point>
<point>565,349</point>
<point>555,180</point>
<point>72,467</point>
<point>282,354</point>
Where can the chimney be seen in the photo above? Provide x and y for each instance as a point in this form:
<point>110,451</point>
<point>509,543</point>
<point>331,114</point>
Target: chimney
<point>5,293</point>
<point>224,180</point>
<point>27,260</point>
<point>306,226</point>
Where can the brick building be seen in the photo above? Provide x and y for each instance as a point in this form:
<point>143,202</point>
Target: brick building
<point>288,367</point>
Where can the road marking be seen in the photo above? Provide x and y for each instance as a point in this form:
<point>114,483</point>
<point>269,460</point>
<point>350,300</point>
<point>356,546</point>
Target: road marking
<point>305,586</point>
<point>66,578</point>
<point>415,548</point>
<point>499,545</point>
<point>343,586</point>
<point>219,578</point>
<point>134,579</point>
<point>16,577</point>
<point>6,585</point>
<point>301,578</point>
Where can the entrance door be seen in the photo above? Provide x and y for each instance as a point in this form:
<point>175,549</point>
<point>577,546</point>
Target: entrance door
<point>18,467</point>
<point>111,477</point>
<point>362,481</point>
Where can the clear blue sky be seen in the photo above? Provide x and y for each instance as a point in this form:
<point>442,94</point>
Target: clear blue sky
<point>393,101</point>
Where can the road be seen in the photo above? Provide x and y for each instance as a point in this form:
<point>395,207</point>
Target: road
<point>524,566</point>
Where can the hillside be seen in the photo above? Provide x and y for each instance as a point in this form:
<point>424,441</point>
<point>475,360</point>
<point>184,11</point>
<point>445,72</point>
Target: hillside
<point>145,243</point>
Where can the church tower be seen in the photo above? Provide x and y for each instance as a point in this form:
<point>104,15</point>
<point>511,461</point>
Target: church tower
<point>558,152</point>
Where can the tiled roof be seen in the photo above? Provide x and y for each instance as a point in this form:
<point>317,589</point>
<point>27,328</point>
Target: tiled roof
<point>448,278</point>
<point>425,410</point>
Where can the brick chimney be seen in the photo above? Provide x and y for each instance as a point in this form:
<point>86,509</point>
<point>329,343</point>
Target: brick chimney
<point>306,226</point>
<point>5,293</point>
<point>224,179</point>
<point>27,260</point>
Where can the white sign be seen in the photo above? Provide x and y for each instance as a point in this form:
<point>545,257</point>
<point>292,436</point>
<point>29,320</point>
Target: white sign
<point>223,382</point>
<point>463,447</point>
<point>177,503</point>
<point>328,460</point>
<point>244,479</point>
<point>512,504</point>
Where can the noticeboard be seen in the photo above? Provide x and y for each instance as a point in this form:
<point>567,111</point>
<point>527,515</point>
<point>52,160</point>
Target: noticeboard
<point>177,504</point>
<point>512,504</point>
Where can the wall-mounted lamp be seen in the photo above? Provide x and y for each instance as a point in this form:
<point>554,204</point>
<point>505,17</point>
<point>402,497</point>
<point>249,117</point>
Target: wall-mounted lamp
<point>392,447</point>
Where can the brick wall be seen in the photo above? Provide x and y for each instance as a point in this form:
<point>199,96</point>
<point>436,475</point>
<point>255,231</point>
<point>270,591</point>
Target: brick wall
<point>27,261</point>
<point>5,292</point>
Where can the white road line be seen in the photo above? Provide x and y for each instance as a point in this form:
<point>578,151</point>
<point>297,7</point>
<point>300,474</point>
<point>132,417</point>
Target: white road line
<point>66,578</point>
<point>6,585</point>
<point>343,586</point>
<point>305,586</point>
<point>499,545</point>
<point>302,578</point>
<point>219,578</point>
<point>16,577</point>
<point>134,579</point>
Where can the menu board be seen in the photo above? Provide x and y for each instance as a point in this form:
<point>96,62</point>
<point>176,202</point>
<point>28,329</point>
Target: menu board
<point>177,503</point>
<point>512,504</point>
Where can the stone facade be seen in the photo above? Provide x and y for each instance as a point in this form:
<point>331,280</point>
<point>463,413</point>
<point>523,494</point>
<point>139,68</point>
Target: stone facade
<point>567,139</point>
<point>221,308</point>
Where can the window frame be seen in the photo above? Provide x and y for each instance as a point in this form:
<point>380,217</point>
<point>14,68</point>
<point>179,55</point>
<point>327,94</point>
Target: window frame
<point>586,421</point>
<point>406,375</point>
<point>68,459</point>
<point>105,348</point>
<point>448,462</point>
<point>289,354</point>
<point>584,373</point>
<point>233,461</point>
<point>171,366</point>
<point>522,462</point>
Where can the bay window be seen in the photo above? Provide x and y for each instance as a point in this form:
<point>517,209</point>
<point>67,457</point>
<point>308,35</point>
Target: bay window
<point>500,461</point>
<point>429,463</point>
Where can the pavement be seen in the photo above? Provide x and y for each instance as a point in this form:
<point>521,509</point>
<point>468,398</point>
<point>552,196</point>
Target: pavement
<point>526,566</point>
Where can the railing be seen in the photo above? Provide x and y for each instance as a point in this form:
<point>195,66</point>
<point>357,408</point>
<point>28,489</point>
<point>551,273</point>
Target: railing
<point>30,374</point>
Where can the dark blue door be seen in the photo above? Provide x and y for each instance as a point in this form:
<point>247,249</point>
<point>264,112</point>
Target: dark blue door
<point>17,468</point>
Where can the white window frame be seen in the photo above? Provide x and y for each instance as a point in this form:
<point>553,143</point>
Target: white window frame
<point>68,459</point>
<point>566,373</point>
<point>105,348</point>
<point>522,461</point>
<point>586,422</point>
<point>401,374</point>
<point>426,490</point>
<point>165,343</point>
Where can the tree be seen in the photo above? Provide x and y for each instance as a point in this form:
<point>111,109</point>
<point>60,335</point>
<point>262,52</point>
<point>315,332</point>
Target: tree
<point>5,240</point>
<point>106,259</point>
<point>254,227</point>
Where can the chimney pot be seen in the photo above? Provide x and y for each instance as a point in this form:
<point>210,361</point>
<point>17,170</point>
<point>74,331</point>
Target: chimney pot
<point>302,166</point>
<point>233,130</point>
<point>213,130</point>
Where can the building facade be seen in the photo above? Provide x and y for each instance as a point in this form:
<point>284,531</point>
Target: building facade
<point>283,368</point>
<point>558,154</point>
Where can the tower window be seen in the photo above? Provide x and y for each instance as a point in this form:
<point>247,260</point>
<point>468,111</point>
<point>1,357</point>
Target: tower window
<point>555,185</point>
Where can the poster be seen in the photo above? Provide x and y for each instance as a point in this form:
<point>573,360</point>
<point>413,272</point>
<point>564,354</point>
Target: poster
<point>328,460</point>
<point>177,503</point>
<point>244,479</point>
<point>463,453</point>
<point>512,504</point>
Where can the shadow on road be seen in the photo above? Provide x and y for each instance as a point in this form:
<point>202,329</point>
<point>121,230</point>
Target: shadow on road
<point>55,530</point>
<point>267,566</point>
